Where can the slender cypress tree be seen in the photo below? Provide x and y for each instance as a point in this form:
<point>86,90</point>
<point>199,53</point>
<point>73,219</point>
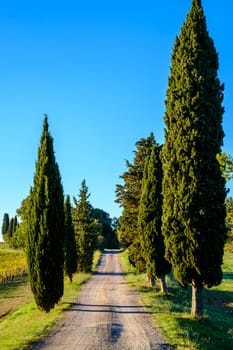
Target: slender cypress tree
<point>193,186</point>
<point>45,237</point>
<point>128,197</point>
<point>149,220</point>
<point>70,257</point>
<point>85,227</point>
<point>5,226</point>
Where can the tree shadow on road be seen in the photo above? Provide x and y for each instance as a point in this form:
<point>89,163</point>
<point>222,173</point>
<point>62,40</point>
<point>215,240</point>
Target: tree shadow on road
<point>108,273</point>
<point>117,309</point>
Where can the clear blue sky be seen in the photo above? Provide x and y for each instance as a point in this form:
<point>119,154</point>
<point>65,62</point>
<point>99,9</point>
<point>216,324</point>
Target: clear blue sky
<point>99,69</point>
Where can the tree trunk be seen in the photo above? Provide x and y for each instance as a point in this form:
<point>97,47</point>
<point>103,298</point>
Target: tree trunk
<point>197,303</point>
<point>151,281</point>
<point>163,286</point>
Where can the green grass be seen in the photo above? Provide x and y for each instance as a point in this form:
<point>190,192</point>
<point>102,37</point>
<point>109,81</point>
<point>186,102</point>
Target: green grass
<point>27,324</point>
<point>172,313</point>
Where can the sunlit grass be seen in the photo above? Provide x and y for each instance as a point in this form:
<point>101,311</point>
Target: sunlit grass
<point>172,313</point>
<point>28,324</point>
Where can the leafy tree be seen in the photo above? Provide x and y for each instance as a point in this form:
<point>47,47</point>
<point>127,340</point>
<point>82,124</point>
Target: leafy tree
<point>193,186</point>
<point>86,229</point>
<point>70,251</point>
<point>5,226</point>
<point>108,232</point>
<point>45,236</point>
<point>19,237</point>
<point>149,220</point>
<point>128,197</point>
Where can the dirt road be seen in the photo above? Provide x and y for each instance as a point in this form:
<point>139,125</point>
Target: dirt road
<point>106,316</point>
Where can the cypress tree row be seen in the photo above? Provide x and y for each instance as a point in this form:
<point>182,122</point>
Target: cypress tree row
<point>193,186</point>
<point>149,220</point>
<point>70,252</point>
<point>45,236</point>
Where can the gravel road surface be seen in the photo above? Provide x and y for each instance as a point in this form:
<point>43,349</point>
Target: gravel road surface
<point>107,316</point>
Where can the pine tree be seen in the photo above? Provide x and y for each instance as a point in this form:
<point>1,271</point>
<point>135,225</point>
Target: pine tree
<point>70,252</point>
<point>149,220</point>
<point>193,188</point>
<point>45,236</point>
<point>85,228</point>
<point>128,197</point>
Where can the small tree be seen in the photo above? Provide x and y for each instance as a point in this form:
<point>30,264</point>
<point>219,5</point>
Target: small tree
<point>149,220</point>
<point>70,256</point>
<point>20,235</point>
<point>45,236</point>
<point>85,228</point>
<point>5,226</point>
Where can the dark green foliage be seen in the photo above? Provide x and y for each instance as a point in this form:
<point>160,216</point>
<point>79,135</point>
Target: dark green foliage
<point>5,226</point>
<point>70,252</point>
<point>9,226</point>
<point>12,227</point>
<point>45,236</point>
<point>86,229</point>
<point>135,256</point>
<point>150,215</point>
<point>128,197</point>
<point>108,232</point>
<point>193,186</point>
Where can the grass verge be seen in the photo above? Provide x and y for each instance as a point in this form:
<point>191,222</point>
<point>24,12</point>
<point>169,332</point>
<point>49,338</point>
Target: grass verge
<point>28,324</point>
<point>172,313</point>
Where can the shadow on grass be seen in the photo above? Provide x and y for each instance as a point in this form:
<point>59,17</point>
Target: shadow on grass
<point>213,331</point>
<point>206,333</point>
<point>228,275</point>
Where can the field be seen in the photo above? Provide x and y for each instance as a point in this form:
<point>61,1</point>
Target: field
<point>12,264</point>
<point>172,313</point>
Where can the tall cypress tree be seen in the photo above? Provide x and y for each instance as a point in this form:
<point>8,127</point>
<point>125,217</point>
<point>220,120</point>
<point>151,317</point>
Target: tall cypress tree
<point>45,237</point>
<point>150,220</point>
<point>70,258</point>
<point>193,188</point>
